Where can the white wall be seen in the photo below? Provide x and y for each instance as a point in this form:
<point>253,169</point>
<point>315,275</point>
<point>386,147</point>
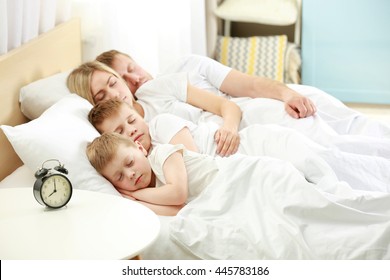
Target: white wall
<point>346,49</point>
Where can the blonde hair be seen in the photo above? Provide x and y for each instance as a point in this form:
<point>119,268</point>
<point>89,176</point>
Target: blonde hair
<point>102,149</point>
<point>104,110</point>
<point>79,80</point>
<point>108,56</point>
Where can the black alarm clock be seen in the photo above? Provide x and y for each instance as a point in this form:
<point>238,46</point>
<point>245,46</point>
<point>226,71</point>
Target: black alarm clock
<point>52,188</point>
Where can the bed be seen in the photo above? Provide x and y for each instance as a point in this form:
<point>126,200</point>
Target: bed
<point>34,60</point>
<point>63,131</point>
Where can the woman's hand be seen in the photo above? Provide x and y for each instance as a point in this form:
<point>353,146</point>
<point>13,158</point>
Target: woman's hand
<point>227,141</point>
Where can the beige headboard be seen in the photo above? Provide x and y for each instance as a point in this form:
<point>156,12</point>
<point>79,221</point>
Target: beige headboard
<point>53,52</point>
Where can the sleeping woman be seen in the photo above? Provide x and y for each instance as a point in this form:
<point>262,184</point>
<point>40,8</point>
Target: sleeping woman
<point>97,82</point>
<point>266,210</point>
<point>173,94</point>
<point>314,161</point>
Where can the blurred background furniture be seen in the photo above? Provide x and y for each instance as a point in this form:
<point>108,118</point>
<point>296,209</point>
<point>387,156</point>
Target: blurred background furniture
<point>258,37</point>
<point>268,12</point>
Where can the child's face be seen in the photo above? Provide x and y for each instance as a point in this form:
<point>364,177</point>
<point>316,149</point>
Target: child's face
<point>129,123</point>
<point>105,86</point>
<point>129,169</point>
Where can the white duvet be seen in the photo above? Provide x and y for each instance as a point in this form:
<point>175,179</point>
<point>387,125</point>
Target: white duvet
<point>263,208</point>
<point>263,214</point>
<point>362,172</point>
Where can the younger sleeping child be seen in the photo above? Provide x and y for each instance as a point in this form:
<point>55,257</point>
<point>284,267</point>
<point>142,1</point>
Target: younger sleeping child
<point>265,196</point>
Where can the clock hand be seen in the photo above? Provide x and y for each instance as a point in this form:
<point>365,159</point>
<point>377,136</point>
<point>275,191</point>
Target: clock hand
<point>54,191</point>
<point>55,188</point>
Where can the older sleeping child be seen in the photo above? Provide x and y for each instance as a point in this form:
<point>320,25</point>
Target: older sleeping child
<point>270,193</point>
<point>313,160</point>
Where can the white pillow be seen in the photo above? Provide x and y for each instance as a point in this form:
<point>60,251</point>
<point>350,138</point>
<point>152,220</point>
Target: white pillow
<point>38,96</point>
<point>61,132</point>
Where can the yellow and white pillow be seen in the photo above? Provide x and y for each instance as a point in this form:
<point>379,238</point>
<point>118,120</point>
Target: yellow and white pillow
<point>258,55</point>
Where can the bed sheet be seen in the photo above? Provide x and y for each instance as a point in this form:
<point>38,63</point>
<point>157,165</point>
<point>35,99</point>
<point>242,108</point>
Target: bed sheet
<point>342,119</point>
<point>163,248</point>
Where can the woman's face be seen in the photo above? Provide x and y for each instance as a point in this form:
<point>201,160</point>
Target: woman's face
<point>105,86</point>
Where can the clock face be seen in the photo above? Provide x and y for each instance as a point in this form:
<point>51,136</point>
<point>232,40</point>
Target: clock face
<point>56,191</point>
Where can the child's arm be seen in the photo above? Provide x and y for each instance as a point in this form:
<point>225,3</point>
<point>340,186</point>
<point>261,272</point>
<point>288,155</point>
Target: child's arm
<point>175,191</point>
<point>184,137</point>
<point>170,129</point>
<point>162,210</point>
<point>227,136</point>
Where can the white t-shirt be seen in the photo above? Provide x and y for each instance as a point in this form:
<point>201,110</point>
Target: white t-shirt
<point>201,169</point>
<point>164,127</point>
<point>168,94</point>
<point>163,95</point>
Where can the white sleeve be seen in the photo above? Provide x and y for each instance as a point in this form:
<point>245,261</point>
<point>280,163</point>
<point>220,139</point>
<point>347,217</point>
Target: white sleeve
<point>158,156</point>
<point>159,95</point>
<point>213,71</point>
<point>164,127</point>
<point>168,85</point>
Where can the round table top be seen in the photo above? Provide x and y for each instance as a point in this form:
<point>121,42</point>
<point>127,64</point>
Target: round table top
<point>91,226</point>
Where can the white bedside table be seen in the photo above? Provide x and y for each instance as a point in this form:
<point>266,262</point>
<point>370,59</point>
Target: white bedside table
<point>92,226</point>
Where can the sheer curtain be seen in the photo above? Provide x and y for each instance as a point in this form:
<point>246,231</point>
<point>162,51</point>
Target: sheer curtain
<point>153,32</point>
<point>23,20</point>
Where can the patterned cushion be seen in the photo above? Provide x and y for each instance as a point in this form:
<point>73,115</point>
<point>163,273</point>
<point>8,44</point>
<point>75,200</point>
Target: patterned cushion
<point>260,56</point>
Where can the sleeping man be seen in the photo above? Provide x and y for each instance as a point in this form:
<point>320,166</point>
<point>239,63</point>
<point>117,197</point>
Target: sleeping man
<point>299,101</point>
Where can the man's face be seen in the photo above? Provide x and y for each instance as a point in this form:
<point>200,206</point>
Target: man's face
<point>134,75</point>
